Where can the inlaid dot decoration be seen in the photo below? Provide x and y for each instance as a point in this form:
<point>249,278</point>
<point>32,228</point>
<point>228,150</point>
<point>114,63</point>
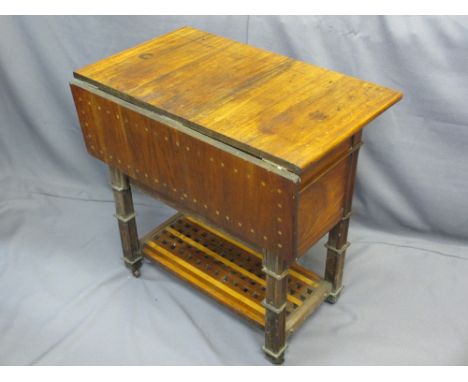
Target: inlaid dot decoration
<point>186,196</point>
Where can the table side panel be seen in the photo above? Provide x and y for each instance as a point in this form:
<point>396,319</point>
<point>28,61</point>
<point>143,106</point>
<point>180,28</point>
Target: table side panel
<point>228,188</point>
<point>321,202</point>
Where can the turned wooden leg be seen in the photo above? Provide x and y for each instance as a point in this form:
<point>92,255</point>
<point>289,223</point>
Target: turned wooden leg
<point>276,271</point>
<point>125,215</point>
<point>338,236</point>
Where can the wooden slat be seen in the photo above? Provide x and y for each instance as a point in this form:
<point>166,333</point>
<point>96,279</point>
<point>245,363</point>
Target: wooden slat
<point>296,318</point>
<point>240,297</point>
<point>207,287</point>
<point>303,275</point>
<point>263,103</point>
<point>207,260</point>
<point>229,263</point>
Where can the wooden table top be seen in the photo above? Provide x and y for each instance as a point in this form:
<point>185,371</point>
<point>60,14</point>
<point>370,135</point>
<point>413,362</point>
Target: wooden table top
<point>268,105</point>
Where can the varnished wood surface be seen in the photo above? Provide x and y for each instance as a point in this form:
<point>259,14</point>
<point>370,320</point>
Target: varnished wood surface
<point>241,194</point>
<point>229,272</point>
<point>269,105</point>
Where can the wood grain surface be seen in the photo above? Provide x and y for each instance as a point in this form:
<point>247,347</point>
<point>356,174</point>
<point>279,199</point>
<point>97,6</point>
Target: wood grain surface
<point>227,271</point>
<point>243,195</point>
<point>269,105</point>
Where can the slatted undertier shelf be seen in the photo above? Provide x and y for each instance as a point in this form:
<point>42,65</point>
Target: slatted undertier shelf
<point>229,271</point>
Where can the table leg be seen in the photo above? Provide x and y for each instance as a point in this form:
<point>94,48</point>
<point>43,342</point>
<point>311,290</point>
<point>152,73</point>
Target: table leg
<point>276,270</point>
<point>336,251</point>
<point>338,236</point>
<point>125,215</point>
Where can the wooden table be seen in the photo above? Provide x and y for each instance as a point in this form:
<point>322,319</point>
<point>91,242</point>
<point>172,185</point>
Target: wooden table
<point>256,151</point>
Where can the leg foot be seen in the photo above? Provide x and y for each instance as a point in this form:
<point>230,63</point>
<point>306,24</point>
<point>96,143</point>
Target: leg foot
<point>136,273</point>
<point>275,361</point>
<point>334,296</point>
<point>135,268</point>
<point>275,358</point>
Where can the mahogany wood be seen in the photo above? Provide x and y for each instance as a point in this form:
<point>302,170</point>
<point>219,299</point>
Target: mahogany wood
<point>256,150</point>
<point>269,105</point>
<point>192,172</point>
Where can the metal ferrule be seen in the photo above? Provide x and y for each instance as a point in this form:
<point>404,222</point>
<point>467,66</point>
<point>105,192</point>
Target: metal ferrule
<point>119,189</point>
<point>125,219</point>
<point>273,274</point>
<point>340,251</point>
<point>336,293</point>
<point>274,308</point>
<point>273,354</point>
<point>131,262</point>
<point>347,216</point>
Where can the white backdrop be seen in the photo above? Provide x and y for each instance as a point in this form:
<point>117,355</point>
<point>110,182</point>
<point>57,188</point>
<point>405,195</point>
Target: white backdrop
<point>65,297</point>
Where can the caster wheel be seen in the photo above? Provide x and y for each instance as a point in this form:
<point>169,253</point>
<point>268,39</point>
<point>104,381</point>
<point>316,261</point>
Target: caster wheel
<point>136,273</point>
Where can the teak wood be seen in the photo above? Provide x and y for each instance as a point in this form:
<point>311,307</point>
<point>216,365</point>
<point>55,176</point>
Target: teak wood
<point>258,151</point>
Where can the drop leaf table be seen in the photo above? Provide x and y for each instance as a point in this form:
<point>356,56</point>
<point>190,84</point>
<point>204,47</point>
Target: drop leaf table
<point>256,151</point>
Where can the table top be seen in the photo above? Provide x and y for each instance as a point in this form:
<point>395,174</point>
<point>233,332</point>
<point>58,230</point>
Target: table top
<point>268,105</point>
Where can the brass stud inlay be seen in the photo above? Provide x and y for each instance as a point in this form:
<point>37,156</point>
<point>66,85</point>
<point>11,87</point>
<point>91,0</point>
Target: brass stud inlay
<point>222,164</point>
<point>177,143</point>
<point>217,212</point>
<point>185,195</point>
<point>265,238</point>
<point>236,170</point>
<point>211,159</point>
<point>280,233</point>
<point>194,200</point>
<point>166,138</point>
<point>187,148</point>
<point>239,224</point>
<point>279,191</point>
<point>252,230</point>
<point>205,206</point>
<point>156,180</point>
<point>146,129</point>
<point>280,205</point>
<point>117,116</point>
<point>280,245</point>
<point>146,175</point>
<point>263,183</point>
<point>227,217</point>
<point>99,107</point>
<point>279,219</point>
